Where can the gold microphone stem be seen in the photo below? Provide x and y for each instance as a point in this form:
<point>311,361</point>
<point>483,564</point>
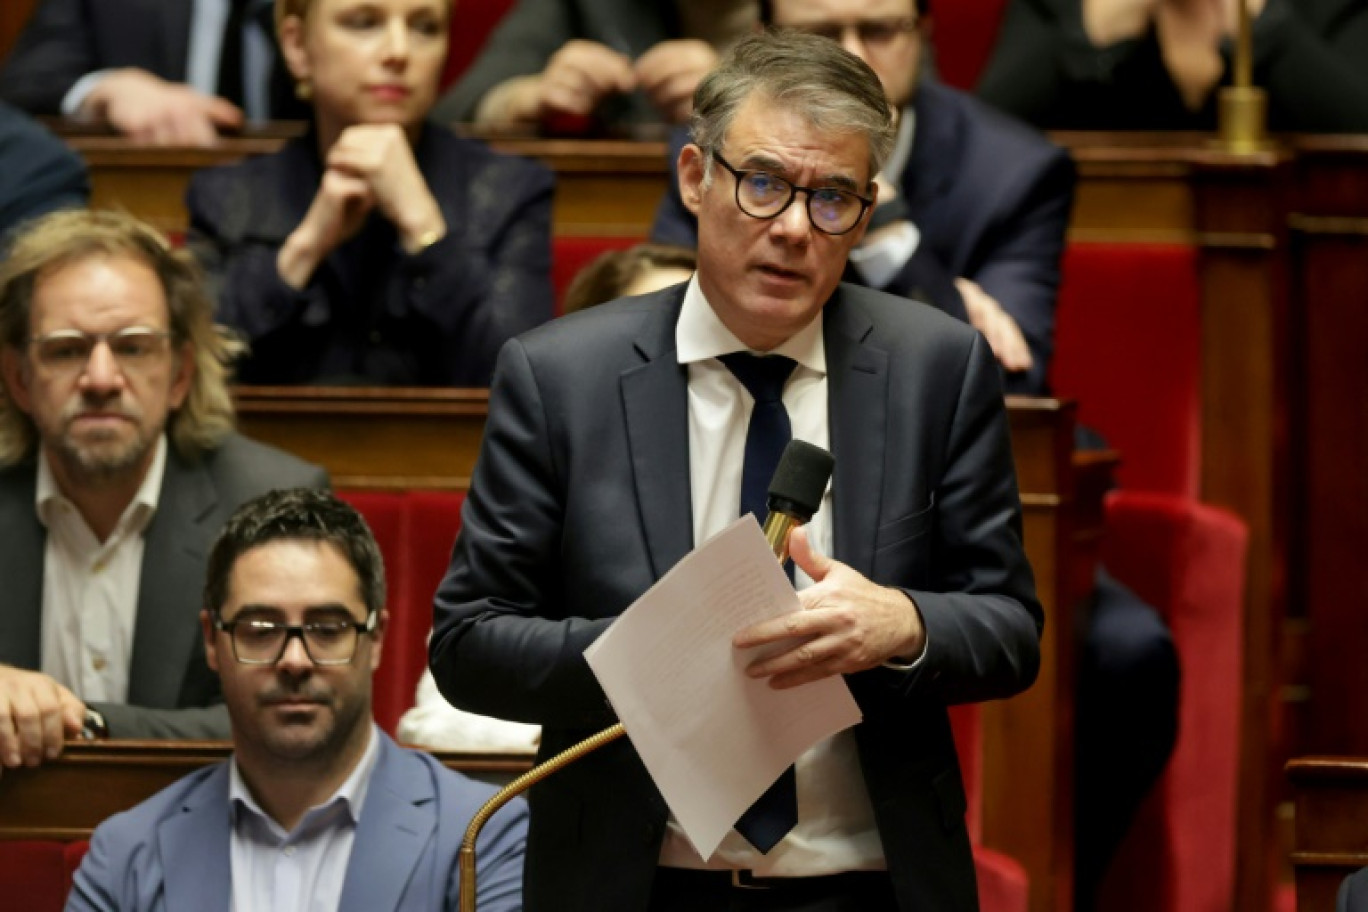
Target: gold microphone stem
<point>514,789</point>
<point>777,529</point>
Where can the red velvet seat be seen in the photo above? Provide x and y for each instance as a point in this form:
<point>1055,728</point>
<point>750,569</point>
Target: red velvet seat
<point>33,875</point>
<point>571,254</point>
<point>1188,560</point>
<point>1128,348</point>
<point>471,23</point>
<point>415,531</point>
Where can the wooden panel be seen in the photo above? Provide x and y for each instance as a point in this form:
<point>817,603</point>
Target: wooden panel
<point>372,438</point>
<point>1330,838</point>
<point>65,799</point>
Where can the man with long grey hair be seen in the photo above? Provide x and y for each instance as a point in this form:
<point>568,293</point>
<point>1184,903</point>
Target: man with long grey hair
<point>621,436</point>
<point>118,463</point>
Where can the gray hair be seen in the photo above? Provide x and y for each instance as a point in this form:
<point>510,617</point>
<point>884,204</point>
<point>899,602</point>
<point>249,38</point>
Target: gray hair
<point>66,238</point>
<point>830,87</point>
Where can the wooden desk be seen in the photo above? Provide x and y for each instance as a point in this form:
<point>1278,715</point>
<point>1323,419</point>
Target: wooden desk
<point>67,798</point>
<point>429,439</point>
<point>1331,827</point>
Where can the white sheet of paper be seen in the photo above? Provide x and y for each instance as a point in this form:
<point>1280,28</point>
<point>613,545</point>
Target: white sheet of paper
<point>712,738</point>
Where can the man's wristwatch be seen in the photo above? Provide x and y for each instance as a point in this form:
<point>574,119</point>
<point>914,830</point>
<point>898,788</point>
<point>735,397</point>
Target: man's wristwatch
<point>94,727</point>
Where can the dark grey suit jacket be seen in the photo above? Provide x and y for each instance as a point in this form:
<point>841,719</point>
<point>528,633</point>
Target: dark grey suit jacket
<point>171,691</point>
<point>1353,893</point>
<point>535,29</point>
<point>38,172</point>
<point>581,501</point>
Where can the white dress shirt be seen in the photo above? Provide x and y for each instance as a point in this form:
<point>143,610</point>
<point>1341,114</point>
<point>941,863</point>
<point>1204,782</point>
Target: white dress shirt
<point>836,829</point>
<point>90,587</point>
<point>302,870</point>
<point>879,261</point>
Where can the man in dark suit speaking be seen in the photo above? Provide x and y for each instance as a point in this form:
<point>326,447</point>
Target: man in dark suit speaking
<point>620,437</point>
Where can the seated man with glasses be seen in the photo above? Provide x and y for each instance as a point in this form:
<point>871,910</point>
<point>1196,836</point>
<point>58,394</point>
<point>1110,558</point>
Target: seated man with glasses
<point>621,436</point>
<point>118,464</point>
<point>317,808</point>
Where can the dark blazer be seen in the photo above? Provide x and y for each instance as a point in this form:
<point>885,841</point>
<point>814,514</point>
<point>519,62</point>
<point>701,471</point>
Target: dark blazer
<point>581,501</point>
<point>535,29</point>
<point>991,198</point>
<point>173,851</point>
<point>371,313</point>
<point>66,39</point>
<point>38,172</point>
<point>171,691</point>
<point>1353,893</point>
<point>1311,55</point>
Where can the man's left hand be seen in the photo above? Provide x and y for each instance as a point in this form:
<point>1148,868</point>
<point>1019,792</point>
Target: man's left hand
<point>847,624</point>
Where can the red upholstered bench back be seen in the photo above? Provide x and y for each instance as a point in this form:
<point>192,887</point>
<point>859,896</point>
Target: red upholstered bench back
<point>571,254</point>
<point>1188,560</point>
<point>415,531</point>
<point>1128,348</point>
<point>471,23</point>
<point>963,34</point>
<point>36,874</point>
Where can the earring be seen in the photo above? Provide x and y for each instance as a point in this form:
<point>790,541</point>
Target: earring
<point>304,90</point>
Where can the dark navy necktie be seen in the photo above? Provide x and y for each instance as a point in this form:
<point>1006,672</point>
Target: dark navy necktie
<point>776,811</point>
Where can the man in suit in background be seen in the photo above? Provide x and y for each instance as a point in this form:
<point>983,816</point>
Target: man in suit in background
<point>317,808</point>
<point>166,72</point>
<point>973,206</point>
<point>619,437</point>
<point>118,464</point>
<point>622,60</point>
<point>38,172</point>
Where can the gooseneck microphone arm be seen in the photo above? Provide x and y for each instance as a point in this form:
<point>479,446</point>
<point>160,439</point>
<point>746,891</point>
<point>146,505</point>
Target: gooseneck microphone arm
<point>795,493</point>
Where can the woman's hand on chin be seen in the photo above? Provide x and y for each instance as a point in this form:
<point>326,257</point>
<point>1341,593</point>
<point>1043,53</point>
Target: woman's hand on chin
<point>380,156</point>
<point>337,212</point>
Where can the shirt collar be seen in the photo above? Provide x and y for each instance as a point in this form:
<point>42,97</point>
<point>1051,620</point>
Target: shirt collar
<point>49,499</point>
<point>700,335</point>
<point>350,795</point>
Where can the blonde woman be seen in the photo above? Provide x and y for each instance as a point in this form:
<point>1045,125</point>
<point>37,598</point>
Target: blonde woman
<point>379,248</point>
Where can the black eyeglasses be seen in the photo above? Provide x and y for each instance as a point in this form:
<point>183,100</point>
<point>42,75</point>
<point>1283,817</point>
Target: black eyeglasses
<point>762,195</point>
<point>68,351</point>
<point>874,34</point>
<point>258,642</point>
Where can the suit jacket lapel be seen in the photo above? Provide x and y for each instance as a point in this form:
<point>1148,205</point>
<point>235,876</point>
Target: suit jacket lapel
<point>396,825</point>
<point>935,149</point>
<point>174,556</point>
<point>656,411</point>
<point>857,395</point>
<point>21,569</point>
<point>197,871</point>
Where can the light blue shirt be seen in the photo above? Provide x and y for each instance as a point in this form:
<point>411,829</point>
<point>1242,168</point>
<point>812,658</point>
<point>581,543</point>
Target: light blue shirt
<point>207,20</point>
<point>302,870</point>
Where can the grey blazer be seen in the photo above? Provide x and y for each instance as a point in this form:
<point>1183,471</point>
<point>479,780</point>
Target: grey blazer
<point>581,500</point>
<point>172,851</point>
<point>171,691</point>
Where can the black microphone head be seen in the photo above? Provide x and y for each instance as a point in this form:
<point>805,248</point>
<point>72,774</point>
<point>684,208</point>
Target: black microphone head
<point>800,480</point>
